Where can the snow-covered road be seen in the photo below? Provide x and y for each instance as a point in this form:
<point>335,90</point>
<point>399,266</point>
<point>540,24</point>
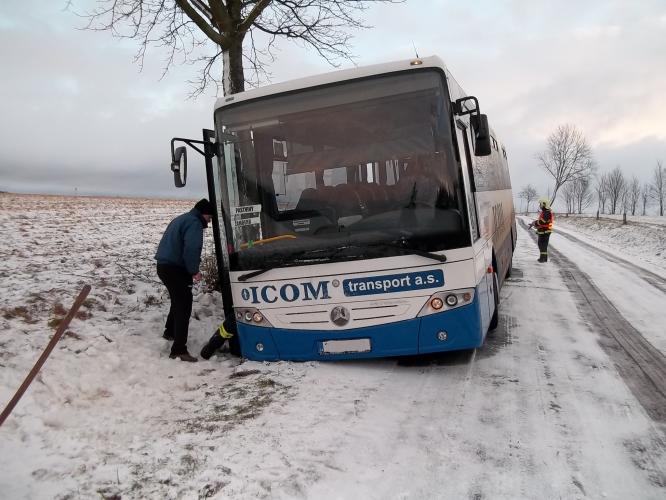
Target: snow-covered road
<point>638,294</point>
<point>541,411</point>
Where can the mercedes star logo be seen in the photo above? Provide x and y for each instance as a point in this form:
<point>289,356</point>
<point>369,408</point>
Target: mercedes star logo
<point>340,316</point>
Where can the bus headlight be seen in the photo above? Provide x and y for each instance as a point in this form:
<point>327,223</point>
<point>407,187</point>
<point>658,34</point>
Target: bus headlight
<point>445,301</point>
<point>251,316</point>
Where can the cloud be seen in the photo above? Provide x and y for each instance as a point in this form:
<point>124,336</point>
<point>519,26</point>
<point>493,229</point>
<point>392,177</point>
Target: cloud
<point>591,32</point>
<point>78,111</point>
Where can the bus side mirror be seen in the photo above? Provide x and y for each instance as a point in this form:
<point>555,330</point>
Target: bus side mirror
<point>481,135</point>
<point>179,166</point>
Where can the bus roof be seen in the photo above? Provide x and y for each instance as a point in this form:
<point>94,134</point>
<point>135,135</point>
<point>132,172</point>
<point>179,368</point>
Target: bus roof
<point>455,89</point>
<point>332,77</point>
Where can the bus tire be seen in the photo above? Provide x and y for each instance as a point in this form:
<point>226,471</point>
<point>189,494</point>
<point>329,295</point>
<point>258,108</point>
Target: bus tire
<point>509,268</point>
<point>494,321</point>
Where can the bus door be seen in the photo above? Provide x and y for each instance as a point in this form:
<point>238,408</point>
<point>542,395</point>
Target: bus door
<point>468,176</point>
<point>486,297</point>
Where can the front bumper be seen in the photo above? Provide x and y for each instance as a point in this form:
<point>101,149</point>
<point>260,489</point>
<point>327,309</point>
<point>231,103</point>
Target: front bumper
<point>415,336</point>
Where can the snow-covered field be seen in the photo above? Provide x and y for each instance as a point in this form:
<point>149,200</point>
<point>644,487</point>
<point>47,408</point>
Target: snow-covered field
<point>540,411</point>
<point>638,219</point>
<point>642,238</point>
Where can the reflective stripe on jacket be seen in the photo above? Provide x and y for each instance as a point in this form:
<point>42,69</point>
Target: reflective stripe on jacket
<point>544,224</point>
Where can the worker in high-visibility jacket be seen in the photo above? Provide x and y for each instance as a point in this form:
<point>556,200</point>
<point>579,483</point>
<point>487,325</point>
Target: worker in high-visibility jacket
<point>544,226</point>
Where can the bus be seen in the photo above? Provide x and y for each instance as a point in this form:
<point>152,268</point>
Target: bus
<point>360,213</point>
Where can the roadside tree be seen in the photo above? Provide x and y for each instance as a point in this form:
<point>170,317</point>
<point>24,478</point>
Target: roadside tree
<point>578,195</point>
<point>239,33</point>
<point>567,157</point>
<point>569,194</point>
<point>529,194</point>
<point>616,187</point>
<point>633,194</point>
<point>583,195</point>
<point>601,190</point>
<point>658,186</point>
<point>645,196</point>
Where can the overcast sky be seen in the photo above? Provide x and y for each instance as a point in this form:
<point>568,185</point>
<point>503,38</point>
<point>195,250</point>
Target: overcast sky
<point>78,114</point>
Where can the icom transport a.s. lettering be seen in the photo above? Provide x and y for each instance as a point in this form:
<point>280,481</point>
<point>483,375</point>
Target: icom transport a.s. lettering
<point>305,291</point>
<point>289,292</point>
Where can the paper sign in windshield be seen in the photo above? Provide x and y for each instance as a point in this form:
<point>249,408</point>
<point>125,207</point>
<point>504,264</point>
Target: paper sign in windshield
<point>246,221</point>
<point>393,283</point>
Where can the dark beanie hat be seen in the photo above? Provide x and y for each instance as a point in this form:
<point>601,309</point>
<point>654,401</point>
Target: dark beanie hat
<point>204,207</point>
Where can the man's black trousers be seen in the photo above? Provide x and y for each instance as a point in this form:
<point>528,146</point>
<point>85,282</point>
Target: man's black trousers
<point>543,246</point>
<point>179,283</point>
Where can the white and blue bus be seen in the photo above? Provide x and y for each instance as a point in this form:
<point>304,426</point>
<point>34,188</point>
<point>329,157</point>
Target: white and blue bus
<point>361,213</point>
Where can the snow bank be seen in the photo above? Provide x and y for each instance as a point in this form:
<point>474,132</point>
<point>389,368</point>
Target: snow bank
<point>642,239</point>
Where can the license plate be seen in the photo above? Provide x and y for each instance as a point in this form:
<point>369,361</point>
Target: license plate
<point>345,346</point>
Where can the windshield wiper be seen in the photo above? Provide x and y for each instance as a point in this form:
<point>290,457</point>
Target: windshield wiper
<point>247,276</point>
<point>398,245</point>
<point>401,245</point>
<point>294,260</point>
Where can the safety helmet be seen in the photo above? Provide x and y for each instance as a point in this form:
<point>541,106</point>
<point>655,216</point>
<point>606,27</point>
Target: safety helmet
<point>544,203</point>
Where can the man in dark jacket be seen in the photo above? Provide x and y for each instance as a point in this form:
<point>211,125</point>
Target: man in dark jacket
<point>178,257</point>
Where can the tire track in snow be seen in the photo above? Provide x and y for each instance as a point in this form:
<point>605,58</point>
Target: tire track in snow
<point>517,420</point>
<point>641,365</point>
<point>563,429</point>
<point>653,279</point>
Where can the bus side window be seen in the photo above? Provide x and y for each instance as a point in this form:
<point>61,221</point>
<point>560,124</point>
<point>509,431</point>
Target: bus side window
<point>468,174</point>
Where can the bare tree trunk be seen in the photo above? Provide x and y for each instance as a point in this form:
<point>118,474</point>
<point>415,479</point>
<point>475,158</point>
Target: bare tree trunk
<point>552,198</point>
<point>233,77</point>
<point>658,188</point>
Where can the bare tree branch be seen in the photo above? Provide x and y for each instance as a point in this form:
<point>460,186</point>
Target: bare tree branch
<point>567,157</point>
<point>200,31</point>
<point>202,23</point>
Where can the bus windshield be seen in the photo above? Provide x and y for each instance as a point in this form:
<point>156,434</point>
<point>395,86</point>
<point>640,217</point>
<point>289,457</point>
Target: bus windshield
<point>333,172</point>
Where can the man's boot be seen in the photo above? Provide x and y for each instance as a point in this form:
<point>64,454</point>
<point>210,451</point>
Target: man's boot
<point>186,356</point>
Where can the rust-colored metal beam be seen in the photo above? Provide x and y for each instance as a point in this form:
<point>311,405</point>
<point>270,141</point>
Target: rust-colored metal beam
<point>42,359</point>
